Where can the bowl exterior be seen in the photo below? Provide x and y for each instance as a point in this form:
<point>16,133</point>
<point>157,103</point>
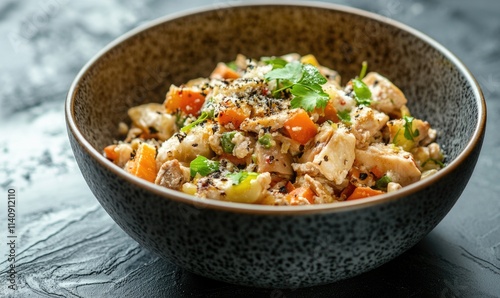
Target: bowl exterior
<point>271,249</point>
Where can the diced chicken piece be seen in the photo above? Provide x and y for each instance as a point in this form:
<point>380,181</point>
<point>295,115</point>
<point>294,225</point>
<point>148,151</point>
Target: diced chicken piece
<point>324,134</point>
<point>337,156</point>
<point>172,175</point>
<point>270,123</point>
<point>366,122</point>
<point>398,164</point>
<point>331,75</point>
<point>341,102</point>
<point>386,97</point>
<point>243,146</point>
<point>123,152</point>
<point>153,119</point>
<point>186,147</point>
<point>273,160</point>
<point>392,186</point>
<point>323,194</point>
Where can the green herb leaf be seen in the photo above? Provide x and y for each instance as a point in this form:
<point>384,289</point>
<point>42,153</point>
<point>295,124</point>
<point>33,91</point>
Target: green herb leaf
<point>409,133</point>
<point>239,177</point>
<point>308,98</point>
<point>232,65</point>
<point>226,141</point>
<point>382,182</point>
<point>266,141</point>
<point>311,76</point>
<point>275,62</point>
<point>292,72</point>
<point>203,166</point>
<point>344,116</point>
<point>362,93</point>
<point>304,82</point>
<point>364,67</point>
<point>204,116</point>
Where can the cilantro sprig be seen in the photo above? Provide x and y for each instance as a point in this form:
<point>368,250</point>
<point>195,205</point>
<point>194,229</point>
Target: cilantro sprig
<point>302,80</point>
<point>362,93</point>
<point>409,133</point>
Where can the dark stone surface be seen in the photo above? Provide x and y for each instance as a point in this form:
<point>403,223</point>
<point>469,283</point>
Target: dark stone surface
<point>67,246</point>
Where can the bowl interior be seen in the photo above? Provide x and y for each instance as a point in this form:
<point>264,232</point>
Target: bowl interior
<point>140,66</point>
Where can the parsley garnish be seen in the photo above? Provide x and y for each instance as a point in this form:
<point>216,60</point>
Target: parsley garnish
<point>409,133</point>
<point>203,166</point>
<point>362,93</point>
<point>204,116</point>
<point>304,82</point>
<point>344,116</point>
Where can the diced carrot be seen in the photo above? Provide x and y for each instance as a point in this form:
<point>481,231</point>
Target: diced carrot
<point>232,115</point>
<point>300,127</point>
<point>377,172</point>
<point>110,153</point>
<point>304,192</point>
<point>363,192</point>
<point>144,163</point>
<point>222,71</point>
<point>328,113</point>
<point>188,100</point>
<point>289,187</point>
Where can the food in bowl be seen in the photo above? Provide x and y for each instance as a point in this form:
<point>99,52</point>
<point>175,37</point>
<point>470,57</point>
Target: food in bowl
<point>279,131</point>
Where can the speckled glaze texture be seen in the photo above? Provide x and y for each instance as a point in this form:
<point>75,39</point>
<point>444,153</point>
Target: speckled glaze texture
<point>269,248</point>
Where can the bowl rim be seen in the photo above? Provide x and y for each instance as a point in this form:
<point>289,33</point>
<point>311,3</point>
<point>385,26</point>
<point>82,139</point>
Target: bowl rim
<point>180,197</point>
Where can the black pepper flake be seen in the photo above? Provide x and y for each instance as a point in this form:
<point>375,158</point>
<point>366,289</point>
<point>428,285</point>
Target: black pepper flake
<point>363,176</point>
<point>194,145</point>
<point>325,158</point>
<point>283,189</point>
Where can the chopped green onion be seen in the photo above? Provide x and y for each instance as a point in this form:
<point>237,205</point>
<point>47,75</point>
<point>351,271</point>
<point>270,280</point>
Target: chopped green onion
<point>226,141</point>
<point>203,166</point>
<point>364,67</point>
<point>344,116</point>
<point>266,141</point>
<point>204,116</point>
<point>382,182</point>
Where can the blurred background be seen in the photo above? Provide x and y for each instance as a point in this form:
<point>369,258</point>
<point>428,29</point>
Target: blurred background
<point>68,245</point>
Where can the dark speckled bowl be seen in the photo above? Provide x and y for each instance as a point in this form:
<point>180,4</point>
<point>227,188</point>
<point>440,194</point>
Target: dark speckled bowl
<point>268,246</point>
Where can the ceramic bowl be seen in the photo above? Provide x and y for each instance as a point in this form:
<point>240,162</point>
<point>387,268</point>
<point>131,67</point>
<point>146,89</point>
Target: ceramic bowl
<point>274,246</point>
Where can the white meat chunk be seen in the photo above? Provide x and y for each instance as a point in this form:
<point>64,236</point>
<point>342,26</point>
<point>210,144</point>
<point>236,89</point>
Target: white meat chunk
<point>324,134</point>
<point>153,119</point>
<point>270,123</point>
<point>341,101</point>
<point>366,122</point>
<point>172,175</point>
<point>386,97</point>
<point>186,147</point>
<point>337,156</point>
<point>398,164</point>
<point>273,160</point>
